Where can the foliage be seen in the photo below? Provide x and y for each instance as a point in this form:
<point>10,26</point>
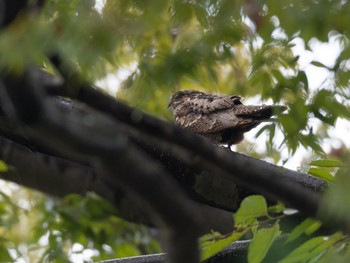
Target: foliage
<point>238,47</point>
<point>265,230</point>
<point>52,230</point>
<point>323,169</point>
<point>214,242</point>
<point>207,45</point>
<point>3,166</point>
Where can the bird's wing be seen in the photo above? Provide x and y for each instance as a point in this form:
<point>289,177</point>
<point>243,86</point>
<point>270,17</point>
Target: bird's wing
<point>238,116</point>
<point>208,123</point>
<point>206,113</point>
<point>208,103</point>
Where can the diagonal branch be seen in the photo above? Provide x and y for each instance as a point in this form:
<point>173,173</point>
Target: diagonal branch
<point>58,177</point>
<point>256,175</point>
<point>203,185</point>
<point>147,181</point>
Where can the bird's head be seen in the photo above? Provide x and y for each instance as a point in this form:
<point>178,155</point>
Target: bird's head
<point>179,97</point>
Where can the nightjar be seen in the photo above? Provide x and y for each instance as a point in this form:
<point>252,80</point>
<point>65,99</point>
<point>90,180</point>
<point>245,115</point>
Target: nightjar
<point>221,118</point>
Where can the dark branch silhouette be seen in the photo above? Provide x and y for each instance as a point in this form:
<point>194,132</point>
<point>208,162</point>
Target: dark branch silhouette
<point>89,141</point>
<point>42,120</point>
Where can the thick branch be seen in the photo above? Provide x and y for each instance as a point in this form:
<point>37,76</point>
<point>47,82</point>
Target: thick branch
<point>234,253</point>
<point>203,185</point>
<point>50,174</point>
<point>116,157</point>
<point>197,151</point>
<point>58,177</point>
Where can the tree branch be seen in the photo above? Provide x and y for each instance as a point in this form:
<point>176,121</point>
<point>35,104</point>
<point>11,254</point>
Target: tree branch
<point>58,177</point>
<point>49,174</point>
<point>116,157</point>
<point>203,185</point>
<point>195,150</point>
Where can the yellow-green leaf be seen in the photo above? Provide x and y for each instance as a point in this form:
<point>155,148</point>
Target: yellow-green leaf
<point>213,248</point>
<point>311,248</point>
<point>327,163</point>
<point>5,255</point>
<point>318,64</point>
<point>261,243</point>
<point>251,207</point>
<point>307,226</point>
<point>3,166</point>
<point>322,173</point>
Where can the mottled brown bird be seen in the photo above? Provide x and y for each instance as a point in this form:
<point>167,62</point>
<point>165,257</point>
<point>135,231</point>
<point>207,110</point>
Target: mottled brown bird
<point>221,118</point>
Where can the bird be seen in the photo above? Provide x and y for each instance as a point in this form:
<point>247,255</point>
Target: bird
<point>219,117</point>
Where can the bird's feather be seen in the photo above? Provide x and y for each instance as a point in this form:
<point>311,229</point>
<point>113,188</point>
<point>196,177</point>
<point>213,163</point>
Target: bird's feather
<point>202,103</point>
<point>221,118</point>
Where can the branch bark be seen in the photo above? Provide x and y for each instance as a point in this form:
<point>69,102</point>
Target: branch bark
<point>198,152</point>
<point>202,184</point>
<point>174,213</point>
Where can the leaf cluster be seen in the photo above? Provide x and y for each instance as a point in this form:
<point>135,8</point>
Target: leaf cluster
<point>218,46</point>
<point>55,228</point>
<point>271,243</point>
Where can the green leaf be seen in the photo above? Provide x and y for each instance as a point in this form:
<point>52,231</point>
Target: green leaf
<point>208,238</point>
<point>264,128</point>
<point>327,163</point>
<point>336,254</point>
<point>214,247</point>
<point>262,242</point>
<point>303,79</point>
<point>277,208</point>
<point>322,173</point>
<point>201,15</point>
<point>311,248</point>
<point>307,226</point>
<point>3,166</point>
<point>313,228</point>
<point>251,207</point>
<point>318,64</point>
<point>5,255</point>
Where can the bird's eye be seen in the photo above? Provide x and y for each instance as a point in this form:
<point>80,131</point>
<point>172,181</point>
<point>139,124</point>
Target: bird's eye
<point>236,100</point>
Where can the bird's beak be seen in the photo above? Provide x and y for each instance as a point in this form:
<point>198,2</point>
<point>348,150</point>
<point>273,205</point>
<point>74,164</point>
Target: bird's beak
<point>170,106</point>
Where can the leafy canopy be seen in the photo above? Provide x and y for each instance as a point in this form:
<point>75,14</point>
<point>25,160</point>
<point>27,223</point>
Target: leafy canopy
<point>235,47</point>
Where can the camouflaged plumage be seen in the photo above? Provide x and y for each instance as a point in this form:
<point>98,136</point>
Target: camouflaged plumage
<point>221,118</point>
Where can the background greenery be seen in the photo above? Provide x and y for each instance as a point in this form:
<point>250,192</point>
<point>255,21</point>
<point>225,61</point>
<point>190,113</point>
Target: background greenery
<point>234,47</point>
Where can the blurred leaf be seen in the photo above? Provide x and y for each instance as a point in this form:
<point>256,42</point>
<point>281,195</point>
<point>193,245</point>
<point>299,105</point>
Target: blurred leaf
<point>302,78</point>
<point>210,238</point>
<point>308,226</point>
<point>251,207</point>
<point>264,128</point>
<point>262,242</point>
<point>338,253</point>
<point>202,15</point>
<point>322,173</point>
<point>311,248</point>
<point>3,166</point>
<point>210,249</point>
<point>277,208</point>
<point>326,163</point>
<point>231,47</point>
<point>5,255</point>
<point>335,201</point>
<point>318,64</point>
